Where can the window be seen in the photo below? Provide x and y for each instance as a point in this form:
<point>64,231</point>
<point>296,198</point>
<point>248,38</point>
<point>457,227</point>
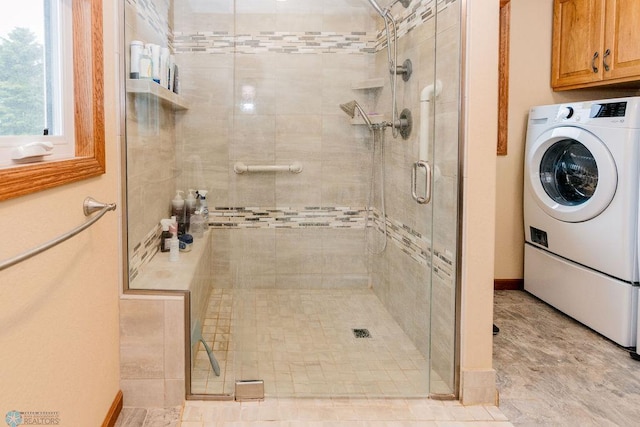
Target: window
<point>36,83</point>
<point>84,99</point>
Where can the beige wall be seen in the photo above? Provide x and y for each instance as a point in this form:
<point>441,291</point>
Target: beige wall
<point>480,100</point>
<point>59,310</point>
<point>529,77</point>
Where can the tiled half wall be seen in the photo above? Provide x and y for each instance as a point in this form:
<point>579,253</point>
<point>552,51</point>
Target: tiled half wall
<point>345,219</point>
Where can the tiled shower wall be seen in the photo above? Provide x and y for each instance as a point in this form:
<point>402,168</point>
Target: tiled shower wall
<point>292,64</point>
<point>151,135</point>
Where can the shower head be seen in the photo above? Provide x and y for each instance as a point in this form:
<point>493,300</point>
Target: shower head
<point>351,107</point>
<point>383,12</point>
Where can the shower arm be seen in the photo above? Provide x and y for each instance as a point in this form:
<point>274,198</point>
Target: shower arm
<point>364,115</point>
<point>394,68</point>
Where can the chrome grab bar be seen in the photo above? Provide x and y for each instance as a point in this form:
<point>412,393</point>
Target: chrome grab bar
<point>240,167</point>
<point>89,206</point>
<point>427,182</point>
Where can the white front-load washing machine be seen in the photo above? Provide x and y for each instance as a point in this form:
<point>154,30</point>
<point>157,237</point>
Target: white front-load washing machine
<point>582,162</point>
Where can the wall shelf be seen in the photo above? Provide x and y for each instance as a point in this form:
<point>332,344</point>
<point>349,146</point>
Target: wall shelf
<point>154,89</point>
<point>368,84</point>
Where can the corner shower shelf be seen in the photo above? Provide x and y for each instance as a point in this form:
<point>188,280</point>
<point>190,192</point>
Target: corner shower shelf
<point>368,84</point>
<point>155,90</point>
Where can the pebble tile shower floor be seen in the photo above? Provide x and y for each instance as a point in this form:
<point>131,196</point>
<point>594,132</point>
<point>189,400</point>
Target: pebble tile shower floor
<point>302,344</point>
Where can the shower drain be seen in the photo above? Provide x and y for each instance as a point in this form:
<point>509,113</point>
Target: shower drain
<point>361,333</point>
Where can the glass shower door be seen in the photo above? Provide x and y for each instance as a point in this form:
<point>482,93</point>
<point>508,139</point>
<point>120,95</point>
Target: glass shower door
<point>445,201</point>
<point>321,307</point>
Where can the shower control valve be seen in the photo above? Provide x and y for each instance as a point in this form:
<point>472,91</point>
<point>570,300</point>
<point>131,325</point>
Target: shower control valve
<point>404,123</point>
<point>406,69</point>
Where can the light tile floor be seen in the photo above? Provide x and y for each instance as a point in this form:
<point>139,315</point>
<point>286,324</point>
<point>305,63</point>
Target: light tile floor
<point>554,371</point>
<point>301,412</point>
<point>150,417</point>
<point>302,344</point>
<point>340,412</point>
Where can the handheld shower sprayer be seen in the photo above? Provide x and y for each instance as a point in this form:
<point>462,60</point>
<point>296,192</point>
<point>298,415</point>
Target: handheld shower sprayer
<point>351,107</point>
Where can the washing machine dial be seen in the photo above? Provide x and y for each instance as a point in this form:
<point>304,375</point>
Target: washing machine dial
<point>564,113</point>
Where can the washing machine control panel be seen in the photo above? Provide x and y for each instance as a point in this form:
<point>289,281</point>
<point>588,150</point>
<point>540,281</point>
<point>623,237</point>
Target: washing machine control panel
<point>614,113</point>
<point>611,109</point>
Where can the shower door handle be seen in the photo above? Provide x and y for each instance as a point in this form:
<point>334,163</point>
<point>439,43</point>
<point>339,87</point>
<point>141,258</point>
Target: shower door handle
<point>427,182</point>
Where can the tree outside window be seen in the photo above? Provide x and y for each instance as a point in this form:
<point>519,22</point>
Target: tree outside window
<point>22,91</point>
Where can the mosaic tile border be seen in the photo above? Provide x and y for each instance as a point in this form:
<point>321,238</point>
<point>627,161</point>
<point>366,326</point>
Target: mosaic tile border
<point>306,42</point>
<point>408,240</point>
<point>418,247</point>
<point>144,251</point>
<point>249,217</point>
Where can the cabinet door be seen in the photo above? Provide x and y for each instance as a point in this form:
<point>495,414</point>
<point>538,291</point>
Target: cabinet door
<point>578,38</point>
<point>622,42</point>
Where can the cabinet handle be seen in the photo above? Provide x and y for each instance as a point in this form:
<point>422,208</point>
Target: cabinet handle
<point>604,59</point>
<point>593,62</point>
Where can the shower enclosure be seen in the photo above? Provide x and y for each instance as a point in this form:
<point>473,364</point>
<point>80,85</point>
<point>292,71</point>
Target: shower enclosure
<point>332,273</point>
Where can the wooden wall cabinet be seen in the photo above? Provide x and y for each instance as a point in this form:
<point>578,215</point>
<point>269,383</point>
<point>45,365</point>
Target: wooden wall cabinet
<point>595,43</point>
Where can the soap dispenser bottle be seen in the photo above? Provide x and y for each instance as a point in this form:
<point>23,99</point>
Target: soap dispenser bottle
<point>177,210</point>
<point>190,209</point>
<point>204,208</point>
<point>166,235</point>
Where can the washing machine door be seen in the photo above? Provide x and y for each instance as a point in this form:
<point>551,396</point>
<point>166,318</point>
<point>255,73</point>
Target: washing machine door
<point>571,173</point>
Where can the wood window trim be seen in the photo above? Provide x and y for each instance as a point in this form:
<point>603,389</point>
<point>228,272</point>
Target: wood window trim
<point>503,77</point>
<point>88,73</point>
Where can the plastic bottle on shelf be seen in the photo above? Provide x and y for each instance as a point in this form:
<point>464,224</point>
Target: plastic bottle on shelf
<point>196,225</point>
<point>176,79</point>
<point>165,237</point>
<point>186,242</point>
<point>155,63</point>
<point>171,62</point>
<point>204,208</point>
<point>164,59</point>
<point>146,67</point>
<point>174,244</point>
<point>134,62</point>
<point>177,210</point>
<point>190,208</point>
